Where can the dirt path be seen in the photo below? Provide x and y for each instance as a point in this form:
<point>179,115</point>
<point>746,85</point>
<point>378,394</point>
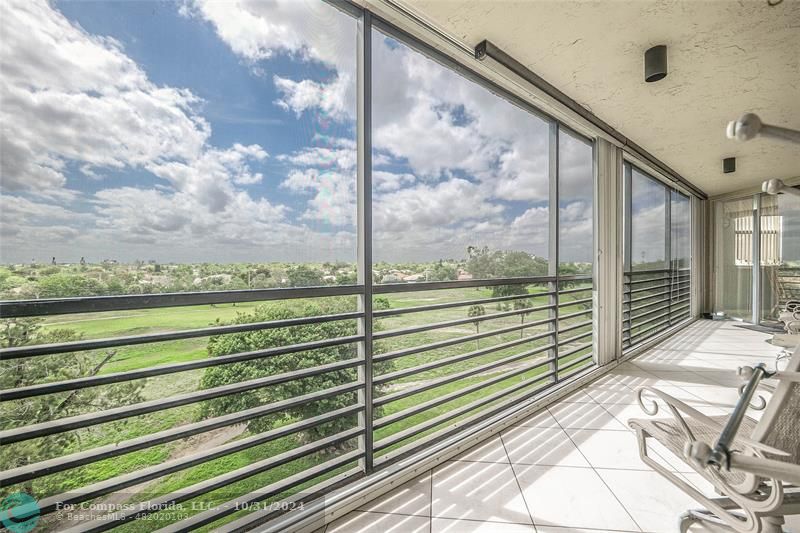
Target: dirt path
<point>197,443</point>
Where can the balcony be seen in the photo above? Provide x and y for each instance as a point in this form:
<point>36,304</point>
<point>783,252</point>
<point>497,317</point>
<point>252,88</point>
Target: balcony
<point>381,265</point>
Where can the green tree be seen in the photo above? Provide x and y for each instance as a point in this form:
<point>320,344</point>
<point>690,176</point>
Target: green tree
<point>519,305</point>
<point>476,311</point>
<point>65,285</point>
<point>304,276</point>
<point>27,371</point>
<point>443,272</point>
<point>269,338</point>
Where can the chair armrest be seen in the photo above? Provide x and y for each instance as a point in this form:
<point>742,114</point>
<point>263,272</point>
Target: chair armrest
<point>677,407</point>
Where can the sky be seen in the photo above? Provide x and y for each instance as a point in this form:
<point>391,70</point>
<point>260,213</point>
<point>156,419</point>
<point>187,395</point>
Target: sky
<point>225,132</point>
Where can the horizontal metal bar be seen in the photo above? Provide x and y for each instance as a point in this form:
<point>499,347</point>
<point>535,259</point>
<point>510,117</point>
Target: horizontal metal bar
<point>242,502</point>
<point>660,301</point>
<point>647,332</point>
<point>462,303</point>
<point>130,375</point>
<point>405,372</point>
<point>59,464</point>
<point>109,521</point>
<point>664,294</point>
<point>645,289</point>
<point>302,501</point>
<point>573,327</point>
<point>416,409</point>
<point>96,304</point>
<point>574,277</point>
<point>458,322</point>
<point>575,302</point>
<point>574,363</point>
<point>92,419</point>
<point>635,318</point>
<point>574,339</point>
<point>390,288</point>
<point>649,280</point>
<point>449,378</point>
<point>440,435</point>
<point>570,375</point>
<point>649,320</point>
<point>575,350</point>
<point>96,344</point>
<point>142,475</point>
<point>575,290</point>
<point>400,436</point>
<point>457,340</point>
<point>573,315</point>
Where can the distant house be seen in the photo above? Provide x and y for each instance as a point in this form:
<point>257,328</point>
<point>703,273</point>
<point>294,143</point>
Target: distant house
<point>329,279</point>
<point>463,275</point>
<point>391,278</point>
<point>414,277</point>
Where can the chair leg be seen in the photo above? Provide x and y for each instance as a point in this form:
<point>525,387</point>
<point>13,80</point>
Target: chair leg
<point>696,516</point>
<point>773,524</point>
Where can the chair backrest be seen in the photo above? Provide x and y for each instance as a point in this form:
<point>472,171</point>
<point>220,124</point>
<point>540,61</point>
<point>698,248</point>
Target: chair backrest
<point>779,425</point>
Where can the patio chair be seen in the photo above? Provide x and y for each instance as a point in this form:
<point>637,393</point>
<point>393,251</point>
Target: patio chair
<point>754,466</point>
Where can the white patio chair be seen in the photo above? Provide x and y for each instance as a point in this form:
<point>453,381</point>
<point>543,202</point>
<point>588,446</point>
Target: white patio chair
<point>754,466</point>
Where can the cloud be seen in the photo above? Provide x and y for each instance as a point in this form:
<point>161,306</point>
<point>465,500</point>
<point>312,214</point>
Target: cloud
<point>71,96</point>
<point>305,30</point>
<point>334,195</point>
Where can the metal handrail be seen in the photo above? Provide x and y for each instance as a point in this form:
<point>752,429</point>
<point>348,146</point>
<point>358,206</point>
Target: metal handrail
<point>96,304</point>
<point>498,368</point>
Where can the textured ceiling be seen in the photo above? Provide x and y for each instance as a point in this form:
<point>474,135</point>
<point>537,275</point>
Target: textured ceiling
<point>725,58</point>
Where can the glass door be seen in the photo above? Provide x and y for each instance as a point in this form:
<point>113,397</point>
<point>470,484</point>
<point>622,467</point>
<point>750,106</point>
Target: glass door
<point>734,258</point>
<point>780,253</point>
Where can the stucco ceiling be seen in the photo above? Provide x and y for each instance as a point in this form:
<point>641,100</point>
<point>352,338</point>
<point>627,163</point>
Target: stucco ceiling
<point>725,58</point>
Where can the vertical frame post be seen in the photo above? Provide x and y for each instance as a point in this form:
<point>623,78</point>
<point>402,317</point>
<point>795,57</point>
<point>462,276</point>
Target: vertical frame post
<point>553,261</point>
<point>364,221</point>
<point>607,294</point>
<point>627,246</point>
<point>756,317</point>
<point>668,249</point>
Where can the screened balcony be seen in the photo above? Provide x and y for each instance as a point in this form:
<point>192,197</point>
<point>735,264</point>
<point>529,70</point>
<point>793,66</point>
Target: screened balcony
<point>376,266</point>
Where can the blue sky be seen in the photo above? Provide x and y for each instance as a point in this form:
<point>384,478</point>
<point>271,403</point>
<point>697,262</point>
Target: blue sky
<point>206,131</point>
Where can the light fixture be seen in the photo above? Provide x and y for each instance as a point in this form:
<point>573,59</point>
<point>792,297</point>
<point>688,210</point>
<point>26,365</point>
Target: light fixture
<point>729,165</point>
<point>750,126</point>
<point>655,63</point>
<point>776,186</point>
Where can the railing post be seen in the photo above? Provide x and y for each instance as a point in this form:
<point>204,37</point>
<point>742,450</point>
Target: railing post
<point>553,241</point>
<point>364,222</point>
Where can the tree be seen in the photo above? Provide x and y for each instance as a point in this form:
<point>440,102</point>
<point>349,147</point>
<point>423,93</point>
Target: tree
<point>522,304</point>
<point>476,311</point>
<point>443,272</point>
<point>269,338</point>
<point>58,367</point>
<point>304,276</point>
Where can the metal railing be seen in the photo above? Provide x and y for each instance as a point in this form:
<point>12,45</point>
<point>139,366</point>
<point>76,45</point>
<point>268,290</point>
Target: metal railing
<point>653,301</point>
<point>429,377</point>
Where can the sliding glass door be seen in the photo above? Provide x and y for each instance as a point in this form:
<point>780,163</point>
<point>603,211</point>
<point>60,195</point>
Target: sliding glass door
<point>780,253</point>
<point>734,258</point>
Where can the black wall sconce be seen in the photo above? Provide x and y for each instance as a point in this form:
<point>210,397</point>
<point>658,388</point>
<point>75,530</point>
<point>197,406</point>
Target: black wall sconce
<point>655,63</point>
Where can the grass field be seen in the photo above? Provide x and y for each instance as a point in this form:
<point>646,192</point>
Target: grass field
<point>100,325</point>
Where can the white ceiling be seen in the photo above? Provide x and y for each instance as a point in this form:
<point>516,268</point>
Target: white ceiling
<point>725,58</point>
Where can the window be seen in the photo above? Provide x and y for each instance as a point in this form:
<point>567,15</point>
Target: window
<point>575,201</point>
<point>657,288</point>
<point>460,175</point>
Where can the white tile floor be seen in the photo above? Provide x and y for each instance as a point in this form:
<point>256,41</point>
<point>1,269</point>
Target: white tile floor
<point>575,467</point>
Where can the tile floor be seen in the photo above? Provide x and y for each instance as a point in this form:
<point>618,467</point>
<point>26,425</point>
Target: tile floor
<point>574,466</point>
